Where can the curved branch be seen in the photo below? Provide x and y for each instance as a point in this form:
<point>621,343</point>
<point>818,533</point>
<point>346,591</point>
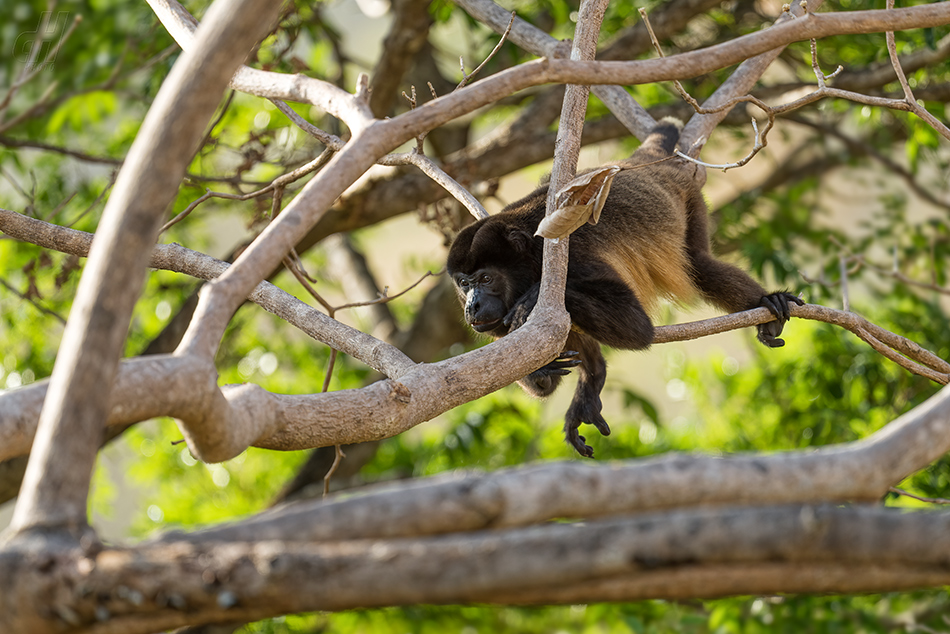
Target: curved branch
<point>181,25</point>
<point>56,484</point>
<point>902,351</point>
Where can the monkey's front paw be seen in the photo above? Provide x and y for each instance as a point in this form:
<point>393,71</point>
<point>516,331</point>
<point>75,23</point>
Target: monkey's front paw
<point>779,305</point>
<point>563,364</point>
<point>516,317</point>
<point>522,308</point>
<point>543,381</point>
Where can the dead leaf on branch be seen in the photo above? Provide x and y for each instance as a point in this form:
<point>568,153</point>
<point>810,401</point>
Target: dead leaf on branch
<point>578,202</point>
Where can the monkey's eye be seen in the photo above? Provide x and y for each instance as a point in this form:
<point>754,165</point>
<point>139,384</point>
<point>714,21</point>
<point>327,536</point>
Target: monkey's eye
<point>485,279</point>
<point>463,283</point>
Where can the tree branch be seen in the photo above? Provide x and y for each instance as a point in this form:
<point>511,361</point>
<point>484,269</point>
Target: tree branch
<point>57,479</point>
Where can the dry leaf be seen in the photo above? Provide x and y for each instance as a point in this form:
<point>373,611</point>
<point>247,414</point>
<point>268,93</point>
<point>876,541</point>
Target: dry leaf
<point>578,202</point>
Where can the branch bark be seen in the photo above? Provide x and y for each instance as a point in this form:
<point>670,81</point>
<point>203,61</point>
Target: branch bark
<point>70,431</point>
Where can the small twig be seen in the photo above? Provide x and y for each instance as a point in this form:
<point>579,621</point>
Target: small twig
<point>819,75</point>
<point>384,297</point>
<point>337,459</point>
<point>363,91</point>
<point>760,142</point>
<point>410,99</point>
<point>99,199</point>
<point>83,156</point>
<point>918,497</point>
<point>16,185</point>
<point>843,269</point>
<point>331,141</point>
<point>433,171</point>
<point>761,139</point>
<point>339,455</point>
<point>921,112</point>
<point>504,37</point>
<point>421,137</point>
<point>297,271</point>
<point>278,183</point>
<point>33,302</point>
<point>220,117</point>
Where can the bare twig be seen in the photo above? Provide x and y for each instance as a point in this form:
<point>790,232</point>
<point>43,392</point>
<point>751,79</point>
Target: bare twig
<point>760,138</point>
<point>433,171</point>
<point>843,270</point>
<point>332,141</point>
<point>820,77</point>
<point>33,302</point>
<point>278,184</point>
<point>906,353</point>
<point>916,108</point>
<point>918,497</point>
<point>337,459</point>
<point>504,37</point>
<point>83,156</point>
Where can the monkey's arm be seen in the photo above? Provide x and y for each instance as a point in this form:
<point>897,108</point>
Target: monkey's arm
<point>600,305</point>
<point>733,290</point>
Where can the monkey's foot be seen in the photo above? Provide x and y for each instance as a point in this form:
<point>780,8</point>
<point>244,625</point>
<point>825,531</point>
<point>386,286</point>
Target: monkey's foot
<point>577,441</point>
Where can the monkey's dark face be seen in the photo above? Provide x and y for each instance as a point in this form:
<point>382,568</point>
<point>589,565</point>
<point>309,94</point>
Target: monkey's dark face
<point>493,262</point>
<point>483,295</point>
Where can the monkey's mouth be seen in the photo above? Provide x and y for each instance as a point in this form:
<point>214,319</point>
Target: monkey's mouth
<point>483,326</point>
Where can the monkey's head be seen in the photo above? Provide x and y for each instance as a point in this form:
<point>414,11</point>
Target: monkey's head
<point>492,264</point>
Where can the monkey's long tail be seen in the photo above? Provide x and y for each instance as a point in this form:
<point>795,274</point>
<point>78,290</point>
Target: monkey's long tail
<point>662,140</point>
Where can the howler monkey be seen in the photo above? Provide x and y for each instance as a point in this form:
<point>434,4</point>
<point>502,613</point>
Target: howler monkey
<point>651,242</point>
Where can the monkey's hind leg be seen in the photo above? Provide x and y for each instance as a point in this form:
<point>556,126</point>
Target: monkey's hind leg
<point>586,405</point>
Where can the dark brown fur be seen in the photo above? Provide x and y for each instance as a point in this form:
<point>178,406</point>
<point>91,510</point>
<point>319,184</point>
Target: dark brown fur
<point>651,243</point>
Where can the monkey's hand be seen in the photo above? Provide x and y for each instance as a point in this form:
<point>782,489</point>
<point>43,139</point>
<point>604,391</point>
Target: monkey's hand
<point>518,314</point>
<point>543,381</point>
<point>779,305</point>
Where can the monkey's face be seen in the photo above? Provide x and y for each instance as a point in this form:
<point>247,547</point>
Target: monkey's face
<point>483,295</point>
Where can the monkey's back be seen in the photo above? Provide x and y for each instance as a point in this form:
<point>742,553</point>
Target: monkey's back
<point>642,232</point>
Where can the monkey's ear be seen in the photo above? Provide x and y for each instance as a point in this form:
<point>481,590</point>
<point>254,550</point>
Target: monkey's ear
<point>520,240</point>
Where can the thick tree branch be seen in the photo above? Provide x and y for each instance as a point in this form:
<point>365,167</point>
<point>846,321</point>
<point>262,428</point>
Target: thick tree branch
<point>57,478</point>
<point>684,554</point>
